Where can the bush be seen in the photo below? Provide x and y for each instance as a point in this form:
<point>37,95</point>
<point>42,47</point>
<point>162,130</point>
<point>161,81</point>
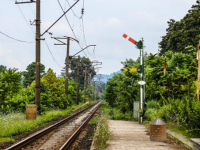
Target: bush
<point>153,105</point>
<point>102,133</point>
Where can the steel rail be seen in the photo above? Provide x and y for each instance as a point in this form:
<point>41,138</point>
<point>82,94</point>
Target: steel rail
<point>69,142</point>
<point>39,134</point>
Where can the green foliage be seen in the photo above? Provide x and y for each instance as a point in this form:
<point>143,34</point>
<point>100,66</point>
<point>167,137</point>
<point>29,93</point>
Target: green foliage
<point>94,120</point>
<point>172,96</point>
<point>2,68</point>
<point>9,85</point>
<point>183,112</point>
<point>102,133</point>
<point>13,97</point>
<point>153,105</point>
<point>73,67</point>
<point>182,33</point>
<point>30,73</point>
<point>117,114</point>
<point>175,103</point>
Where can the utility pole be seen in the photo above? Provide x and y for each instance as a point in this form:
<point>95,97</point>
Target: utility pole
<point>67,67</point>
<point>85,82</point>
<point>77,92</point>
<point>37,85</point>
<point>96,95</point>
<point>67,57</point>
<point>165,69</point>
<point>198,73</point>
<point>93,90</point>
<point>88,92</point>
<point>37,39</point>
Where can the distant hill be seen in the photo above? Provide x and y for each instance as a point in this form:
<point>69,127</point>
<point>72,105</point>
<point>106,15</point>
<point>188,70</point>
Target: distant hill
<point>106,76</point>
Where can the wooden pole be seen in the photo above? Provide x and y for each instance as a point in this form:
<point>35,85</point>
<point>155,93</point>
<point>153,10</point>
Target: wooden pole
<point>67,68</point>
<point>198,58</point>
<point>85,83</point>
<point>165,69</point>
<point>37,79</point>
<point>77,91</point>
<point>88,91</point>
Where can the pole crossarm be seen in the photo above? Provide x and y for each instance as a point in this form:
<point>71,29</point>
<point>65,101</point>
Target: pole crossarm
<point>82,50</point>
<point>60,17</point>
<point>31,1</point>
<point>61,38</point>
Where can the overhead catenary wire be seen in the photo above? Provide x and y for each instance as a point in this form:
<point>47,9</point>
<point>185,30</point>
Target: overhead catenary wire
<point>70,25</point>
<point>15,38</point>
<point>25,19</point>
<point>57,51</point>
<point>32,10</point>
<point>72,9</point>
<point>52,54</point>
<point>84,37</point>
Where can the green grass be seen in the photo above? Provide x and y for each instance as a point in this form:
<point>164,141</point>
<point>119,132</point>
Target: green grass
<point>2,140</point>
<point>183,130</point>
<point>15,123</point>
<point>102,133</point>
<point>115,114</point>
<point>94,120</point>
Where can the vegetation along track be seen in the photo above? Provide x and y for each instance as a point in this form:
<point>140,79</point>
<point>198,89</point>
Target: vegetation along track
<point>64,131</point>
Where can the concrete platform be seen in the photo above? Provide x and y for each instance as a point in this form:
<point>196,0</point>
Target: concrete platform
<point>129,135</point>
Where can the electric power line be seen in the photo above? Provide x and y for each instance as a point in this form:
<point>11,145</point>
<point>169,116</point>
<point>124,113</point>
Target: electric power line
<point>52,55</point>
<point>57,51</point>
<point>72,10</point>
<point>70,25</point>
<point>15,38</point>
<point>32,10</point>
<point>25,19</point>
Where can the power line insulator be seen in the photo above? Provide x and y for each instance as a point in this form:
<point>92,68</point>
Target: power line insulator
<point>82,11</point>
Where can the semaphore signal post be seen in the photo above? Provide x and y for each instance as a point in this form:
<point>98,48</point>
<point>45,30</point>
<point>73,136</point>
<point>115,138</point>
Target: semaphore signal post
<point>141,71</point>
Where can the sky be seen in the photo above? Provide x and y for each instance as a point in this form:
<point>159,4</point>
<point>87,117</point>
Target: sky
<point>103,24</point>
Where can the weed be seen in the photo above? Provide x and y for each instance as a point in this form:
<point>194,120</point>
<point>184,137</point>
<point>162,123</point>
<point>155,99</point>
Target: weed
<point>102,133</point>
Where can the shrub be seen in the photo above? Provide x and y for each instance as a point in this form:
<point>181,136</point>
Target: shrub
<point>102,133</point>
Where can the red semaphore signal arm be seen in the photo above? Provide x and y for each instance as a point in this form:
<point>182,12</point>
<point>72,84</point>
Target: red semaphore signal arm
<point>130,39</point>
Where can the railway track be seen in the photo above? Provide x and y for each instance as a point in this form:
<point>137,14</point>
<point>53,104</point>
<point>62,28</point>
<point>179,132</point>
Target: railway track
<point>59,135</point>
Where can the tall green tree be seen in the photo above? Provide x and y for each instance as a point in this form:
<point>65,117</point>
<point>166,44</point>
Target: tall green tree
<point>30,73</point>
<point>182,33</point>
<point>73,68</point>
<point>2,68</point>
<point>9,85</point>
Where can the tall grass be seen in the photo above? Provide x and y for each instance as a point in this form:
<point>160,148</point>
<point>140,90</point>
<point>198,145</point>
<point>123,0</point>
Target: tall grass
<point>179,114</point>
<point>15,123</point>
<point>102,133</point>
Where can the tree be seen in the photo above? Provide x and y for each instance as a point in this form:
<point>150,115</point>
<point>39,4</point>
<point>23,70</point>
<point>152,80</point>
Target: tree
<point>31,73</point>
<point>9,85</point>
<point>73,67</point>
<point>2,68</point>
<point>183,33</point>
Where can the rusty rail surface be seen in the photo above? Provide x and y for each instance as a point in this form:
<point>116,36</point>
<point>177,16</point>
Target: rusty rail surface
<point>73,137</point>
<point>39,134</point>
